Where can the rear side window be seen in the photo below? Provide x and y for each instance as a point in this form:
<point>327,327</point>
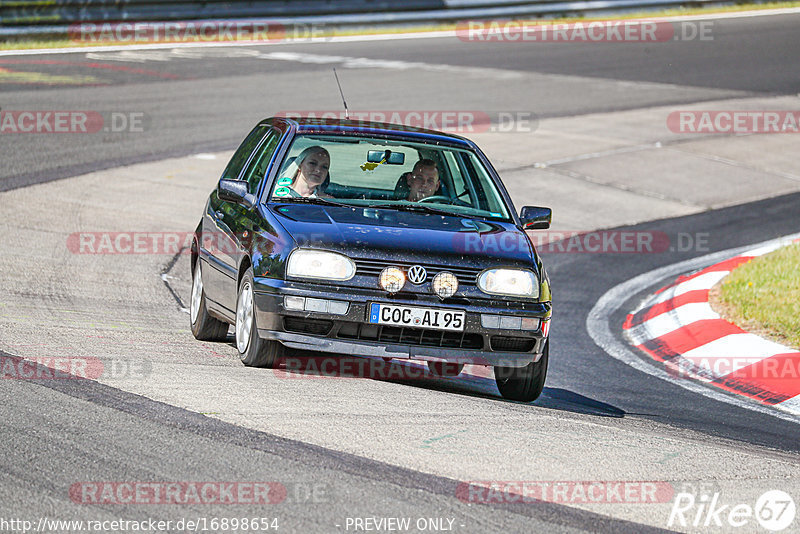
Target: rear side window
<point>237,162</point>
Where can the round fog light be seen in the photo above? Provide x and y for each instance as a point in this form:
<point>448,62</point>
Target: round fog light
<point>392,279</point>
<point>445,285</point>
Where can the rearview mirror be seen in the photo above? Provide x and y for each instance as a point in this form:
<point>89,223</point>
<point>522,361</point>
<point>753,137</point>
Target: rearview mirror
<point>236,191</point>
<point>536,218</point>
<point>391,158</point>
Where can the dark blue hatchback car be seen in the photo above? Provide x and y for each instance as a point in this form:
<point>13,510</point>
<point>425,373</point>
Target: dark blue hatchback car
<point>372,239</point>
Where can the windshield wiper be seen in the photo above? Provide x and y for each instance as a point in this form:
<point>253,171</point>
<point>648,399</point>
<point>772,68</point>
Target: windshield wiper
<point>420,208</point>
<point>314,200</point>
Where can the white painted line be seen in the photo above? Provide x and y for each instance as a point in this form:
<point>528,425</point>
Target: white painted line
<point>599,329</point>
<point>730,353</point>
<point>370,63</point>
<point>133,56</point>
<point>760,251</point>
<point>704,281</point>
<point>670,321</point>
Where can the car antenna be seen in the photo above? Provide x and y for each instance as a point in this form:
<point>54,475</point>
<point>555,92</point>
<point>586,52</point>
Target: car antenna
<point>346,113</point>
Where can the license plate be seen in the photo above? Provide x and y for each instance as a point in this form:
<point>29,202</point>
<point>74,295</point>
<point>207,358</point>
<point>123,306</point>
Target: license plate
<point>434,318</point>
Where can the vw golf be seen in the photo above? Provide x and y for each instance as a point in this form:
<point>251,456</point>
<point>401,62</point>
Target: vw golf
<point>372,239</point>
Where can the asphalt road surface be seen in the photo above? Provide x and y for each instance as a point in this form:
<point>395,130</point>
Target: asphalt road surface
<point>350,453</point>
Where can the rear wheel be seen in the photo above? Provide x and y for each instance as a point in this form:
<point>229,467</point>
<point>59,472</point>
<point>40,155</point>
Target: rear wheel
<point>204,327</point>
<point>445,368</point>
<point>523,383</point>
<point>253,351</point>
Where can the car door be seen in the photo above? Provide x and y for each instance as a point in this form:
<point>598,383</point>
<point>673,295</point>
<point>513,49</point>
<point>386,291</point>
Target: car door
<point>242,222</point>
<point>224,222</point>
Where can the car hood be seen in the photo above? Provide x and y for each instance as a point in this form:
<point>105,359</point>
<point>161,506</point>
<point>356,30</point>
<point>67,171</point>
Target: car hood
<point>370,233</point>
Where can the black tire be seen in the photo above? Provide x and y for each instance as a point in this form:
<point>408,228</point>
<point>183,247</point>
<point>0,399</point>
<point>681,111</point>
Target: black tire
<point>204,327</point>
<point>253,350</point>
<point>445,368</point>
<point>523,384</point>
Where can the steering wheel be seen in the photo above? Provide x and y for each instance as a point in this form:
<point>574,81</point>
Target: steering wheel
<point>437,198</point>
<point>451,201</point>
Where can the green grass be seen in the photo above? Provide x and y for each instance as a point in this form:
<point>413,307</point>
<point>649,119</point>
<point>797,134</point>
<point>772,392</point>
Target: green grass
<point>764,294</point>
<point>62,42</point>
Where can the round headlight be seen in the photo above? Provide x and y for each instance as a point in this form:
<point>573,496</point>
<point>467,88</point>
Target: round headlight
<point>445,285</point>
<point>308,263</point>
<point>513,282</point>
<point>392,279</point>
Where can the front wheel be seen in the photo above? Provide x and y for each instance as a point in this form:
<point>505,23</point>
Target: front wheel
<point>253,351</point>
<point>523,384</point>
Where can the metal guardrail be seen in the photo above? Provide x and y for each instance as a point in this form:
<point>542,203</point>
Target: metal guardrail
<point>31,18</point>
<point>30,12</point>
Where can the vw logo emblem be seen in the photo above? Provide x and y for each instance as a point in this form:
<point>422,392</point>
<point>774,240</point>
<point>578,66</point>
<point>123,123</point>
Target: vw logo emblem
<point>417,274</point>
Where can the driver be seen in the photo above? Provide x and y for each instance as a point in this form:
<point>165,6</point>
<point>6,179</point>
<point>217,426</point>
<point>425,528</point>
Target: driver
<point>423,181</point>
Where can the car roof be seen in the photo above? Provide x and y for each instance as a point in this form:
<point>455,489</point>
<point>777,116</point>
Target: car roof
<point>307,125</point>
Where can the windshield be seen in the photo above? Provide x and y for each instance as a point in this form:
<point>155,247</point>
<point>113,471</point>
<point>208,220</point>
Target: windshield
<point>389,174</point>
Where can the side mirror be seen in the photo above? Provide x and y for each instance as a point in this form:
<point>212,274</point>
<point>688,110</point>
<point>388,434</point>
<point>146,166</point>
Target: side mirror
<point>536,218</point>
<point>236,191</point>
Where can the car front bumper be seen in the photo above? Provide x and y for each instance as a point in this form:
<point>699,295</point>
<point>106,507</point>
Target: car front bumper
<point>351,334</point>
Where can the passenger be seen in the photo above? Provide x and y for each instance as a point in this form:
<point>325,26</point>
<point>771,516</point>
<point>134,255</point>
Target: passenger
<point>311,176</point>
<point>423,181</point>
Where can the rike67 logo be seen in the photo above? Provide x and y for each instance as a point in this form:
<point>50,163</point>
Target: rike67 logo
<point>774,510</point>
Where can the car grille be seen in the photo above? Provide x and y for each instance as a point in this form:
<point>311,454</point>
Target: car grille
<point>465,275</point>
<point>513,344</point>
<point>411,336</point>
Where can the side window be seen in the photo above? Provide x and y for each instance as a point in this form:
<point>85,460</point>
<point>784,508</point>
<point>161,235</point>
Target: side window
<point>239,158</point>
<point>258,165</point>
